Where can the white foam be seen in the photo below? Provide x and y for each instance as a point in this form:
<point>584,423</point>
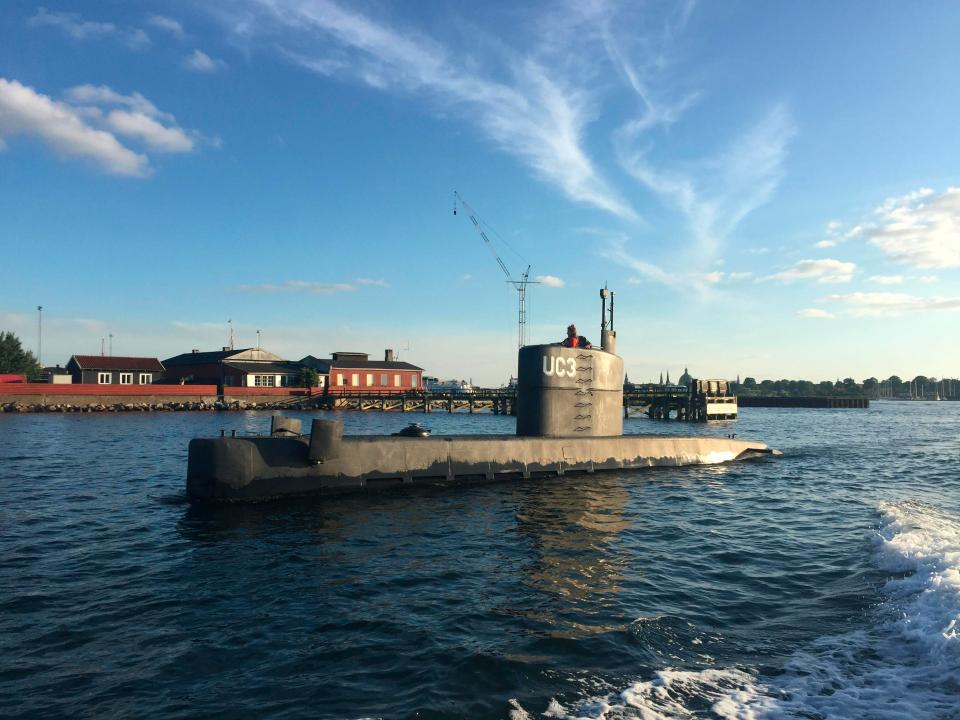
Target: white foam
<point>904,666</point>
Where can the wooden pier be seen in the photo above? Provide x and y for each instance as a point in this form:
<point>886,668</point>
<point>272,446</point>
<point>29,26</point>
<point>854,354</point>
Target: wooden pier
<point>657,403</point>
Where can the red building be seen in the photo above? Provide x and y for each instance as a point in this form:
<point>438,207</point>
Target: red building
<point>350,373</point>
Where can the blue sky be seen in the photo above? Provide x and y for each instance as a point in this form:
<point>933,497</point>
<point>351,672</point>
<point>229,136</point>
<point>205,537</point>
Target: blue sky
<point>773,189</point>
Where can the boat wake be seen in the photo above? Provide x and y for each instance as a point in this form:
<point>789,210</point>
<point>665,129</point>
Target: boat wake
<point>905,666</point>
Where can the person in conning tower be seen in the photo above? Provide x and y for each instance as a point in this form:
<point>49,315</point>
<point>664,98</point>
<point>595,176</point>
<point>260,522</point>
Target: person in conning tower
<point>574,340</point>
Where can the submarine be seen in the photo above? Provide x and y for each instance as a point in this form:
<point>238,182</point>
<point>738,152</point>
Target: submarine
<point>569,409</point>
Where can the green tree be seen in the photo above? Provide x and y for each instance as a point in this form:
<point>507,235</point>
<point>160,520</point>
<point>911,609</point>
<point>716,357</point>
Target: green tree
<point>14,359</point>
<point>309,377</point>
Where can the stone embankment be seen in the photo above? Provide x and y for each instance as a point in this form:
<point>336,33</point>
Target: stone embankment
<point>170,406</point>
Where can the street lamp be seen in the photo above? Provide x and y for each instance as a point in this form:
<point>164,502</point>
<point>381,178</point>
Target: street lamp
<point>40,335</point>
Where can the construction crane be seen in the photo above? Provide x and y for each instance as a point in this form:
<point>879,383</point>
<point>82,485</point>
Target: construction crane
<point>519,285</point>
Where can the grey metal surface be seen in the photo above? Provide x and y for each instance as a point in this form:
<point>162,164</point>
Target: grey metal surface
<point>265,467</point>
<point>326,437</point>
<point>569,392</point>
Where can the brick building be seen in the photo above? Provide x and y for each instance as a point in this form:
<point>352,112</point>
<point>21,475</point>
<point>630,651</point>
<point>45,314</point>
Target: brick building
<point>353,372</point>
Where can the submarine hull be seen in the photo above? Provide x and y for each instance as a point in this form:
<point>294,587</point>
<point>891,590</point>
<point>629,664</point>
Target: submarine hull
<point>261,468</point>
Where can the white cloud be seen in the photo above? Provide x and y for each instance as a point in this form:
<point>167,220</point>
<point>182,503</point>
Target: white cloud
<point>816,313</point>
<point>886,279</point>
<point>315,288</point>
<point>156,136</point>
<point>74,26</point>
<point>920,230</point>
<point>823,271</point>
<point>199,61</point>
<point>103,95</point>
<point>615,250</point>
<point>550,281</point>
<point>88,123</point>
<point>890,303</point>
<point>823,244</point>
<point>832,227</point>
<point>526,106</point>
<point>167,24</point>
<point>718,192</point>
<point>24,111</point>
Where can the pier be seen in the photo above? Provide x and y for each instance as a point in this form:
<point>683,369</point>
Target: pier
<point>672,403</point>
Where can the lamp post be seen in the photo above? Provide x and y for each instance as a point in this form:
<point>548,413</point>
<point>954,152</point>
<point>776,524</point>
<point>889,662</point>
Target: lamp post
<point>111,344</point>
<point>40,335</point>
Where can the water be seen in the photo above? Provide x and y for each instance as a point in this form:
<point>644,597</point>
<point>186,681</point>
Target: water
<point>823,584</point>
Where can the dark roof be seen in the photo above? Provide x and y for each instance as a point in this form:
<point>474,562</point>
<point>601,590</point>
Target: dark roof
<point>372,365</point>
<point>316,363</point>
<point>115,362</point>
<point>256,368</point>
<point>202,358</point>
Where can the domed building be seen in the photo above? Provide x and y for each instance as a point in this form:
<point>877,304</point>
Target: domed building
<point>686,379</point>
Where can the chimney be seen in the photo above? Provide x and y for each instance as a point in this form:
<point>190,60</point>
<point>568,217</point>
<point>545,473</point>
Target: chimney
<point>226,348</point>
<point>388,355</point>
<point>195,350</point>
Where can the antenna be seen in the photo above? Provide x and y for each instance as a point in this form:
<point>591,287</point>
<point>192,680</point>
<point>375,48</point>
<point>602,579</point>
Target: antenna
<point>258,339</point>
<point>230,325</point>
<point>111,344</point>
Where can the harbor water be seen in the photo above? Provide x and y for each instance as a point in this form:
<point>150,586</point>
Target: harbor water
<point>822,584</point>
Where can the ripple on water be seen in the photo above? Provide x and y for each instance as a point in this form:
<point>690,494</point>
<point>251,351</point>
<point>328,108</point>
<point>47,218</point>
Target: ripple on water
<point>755,587</point>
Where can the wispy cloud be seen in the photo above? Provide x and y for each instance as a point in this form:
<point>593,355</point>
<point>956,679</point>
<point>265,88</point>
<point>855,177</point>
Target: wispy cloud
<point>892,304</point>
<point>76,27</point>
<point>311,287</point>
<point>823,271</point>
<point>886,279</point>
<point>167,24</point>
<point>304,286</point>
<point>530,110</point>
<point>199,61</point>
<point>816,313</point>
<point>550,281</point>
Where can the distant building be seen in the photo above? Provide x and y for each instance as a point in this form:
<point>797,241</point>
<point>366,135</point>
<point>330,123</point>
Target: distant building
<point>354,372</point>
<point>247,367</point>
<point>457,387</point>
<point>114,370</point>
<point>56,375</point>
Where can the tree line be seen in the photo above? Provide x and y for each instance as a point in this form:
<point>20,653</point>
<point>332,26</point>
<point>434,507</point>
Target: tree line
<point>872,388</point>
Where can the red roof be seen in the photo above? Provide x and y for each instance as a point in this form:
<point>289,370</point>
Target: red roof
<point>115,362</point>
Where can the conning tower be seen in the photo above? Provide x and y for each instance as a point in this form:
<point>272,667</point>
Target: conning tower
<point>572,392</point>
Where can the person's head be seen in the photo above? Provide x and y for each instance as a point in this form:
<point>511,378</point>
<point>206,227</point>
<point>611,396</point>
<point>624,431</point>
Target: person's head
<point>571,331</point>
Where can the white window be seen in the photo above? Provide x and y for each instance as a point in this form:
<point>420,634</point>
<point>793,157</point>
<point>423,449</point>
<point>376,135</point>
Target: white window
<point>339,378</point>
<point>265,380</point>
<point>384,381</point>
<point>396,380</point>
<point>355,379</point>
<point>146,378</point>
<point>126,378</point>
<point>104,378</point>
<point>369,379</point>
<point>413,381</point>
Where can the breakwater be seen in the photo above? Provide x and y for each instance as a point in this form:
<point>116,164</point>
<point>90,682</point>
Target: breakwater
<point>803,402</point>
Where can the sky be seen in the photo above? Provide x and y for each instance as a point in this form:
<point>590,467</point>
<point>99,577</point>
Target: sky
<point>772,189</point>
